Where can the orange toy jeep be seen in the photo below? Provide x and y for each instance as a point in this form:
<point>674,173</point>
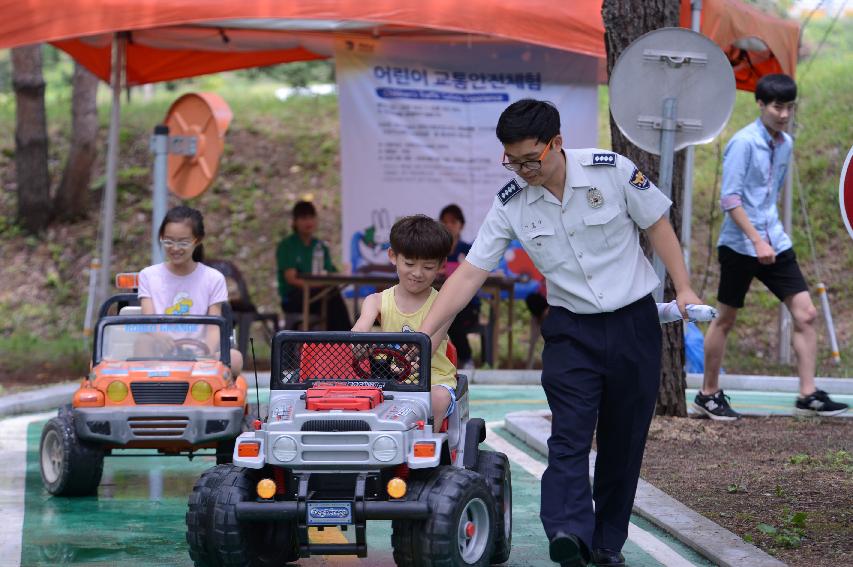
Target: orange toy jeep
<point>157,382</point>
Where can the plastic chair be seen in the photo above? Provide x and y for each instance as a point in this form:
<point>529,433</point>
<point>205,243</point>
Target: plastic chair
<point>243,310</point>
<point>516,263</point>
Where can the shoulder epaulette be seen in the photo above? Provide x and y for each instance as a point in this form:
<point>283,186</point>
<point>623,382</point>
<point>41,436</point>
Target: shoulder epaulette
<point>604,159</point>
<point>509,191</point>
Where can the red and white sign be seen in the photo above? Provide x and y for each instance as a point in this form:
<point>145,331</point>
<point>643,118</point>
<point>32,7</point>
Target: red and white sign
<point>845,193</point>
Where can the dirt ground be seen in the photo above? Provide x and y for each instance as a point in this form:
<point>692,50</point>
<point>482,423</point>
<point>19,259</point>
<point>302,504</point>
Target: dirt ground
<point>38,376</point>
<point>784,484</point>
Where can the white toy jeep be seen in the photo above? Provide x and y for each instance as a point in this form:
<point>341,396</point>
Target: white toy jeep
<point>348,439</point>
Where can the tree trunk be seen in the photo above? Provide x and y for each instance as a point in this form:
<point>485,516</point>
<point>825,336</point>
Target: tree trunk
<point>30,139</point>
<point>625,21</point>
<point>71,200</point>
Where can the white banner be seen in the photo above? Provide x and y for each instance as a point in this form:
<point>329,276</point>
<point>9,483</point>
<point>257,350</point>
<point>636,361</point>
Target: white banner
<point>418,127</point>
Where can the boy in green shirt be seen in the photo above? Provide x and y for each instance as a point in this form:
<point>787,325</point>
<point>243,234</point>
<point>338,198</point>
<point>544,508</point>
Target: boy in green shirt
<point>302,253</point>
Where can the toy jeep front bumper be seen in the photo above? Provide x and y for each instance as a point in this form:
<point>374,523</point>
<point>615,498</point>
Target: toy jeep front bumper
<point>190,425</point>
<point>355,509</point>
<point>366,509</point>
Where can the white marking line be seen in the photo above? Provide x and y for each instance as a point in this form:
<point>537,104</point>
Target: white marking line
<point>659,550</point>
<point>13,473</point>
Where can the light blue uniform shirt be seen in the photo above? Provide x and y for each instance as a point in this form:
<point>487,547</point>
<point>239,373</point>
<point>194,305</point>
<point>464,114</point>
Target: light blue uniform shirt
<point>754,167</point>
<point>586,246</point>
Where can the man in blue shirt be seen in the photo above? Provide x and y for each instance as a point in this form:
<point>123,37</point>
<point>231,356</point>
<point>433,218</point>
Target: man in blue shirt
<point>753,244</point>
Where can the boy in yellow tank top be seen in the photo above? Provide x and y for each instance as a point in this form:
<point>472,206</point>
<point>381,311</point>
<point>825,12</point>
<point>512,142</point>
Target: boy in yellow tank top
<point>419,249</point>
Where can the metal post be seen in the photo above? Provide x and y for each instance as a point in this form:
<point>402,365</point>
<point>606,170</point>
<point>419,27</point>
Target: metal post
<point>830,327</point>
<point>785,324</point>
<point>687,205</point>
<point>108,211</point>
<point>88,321</point>
<point>689,157</point>
<point>160,149</point>
<point>667,156</point>
<point>695,14</point>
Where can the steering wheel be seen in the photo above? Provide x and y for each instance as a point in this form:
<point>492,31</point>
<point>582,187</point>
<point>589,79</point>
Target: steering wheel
<point>384,362</point>
<point>201,346</point>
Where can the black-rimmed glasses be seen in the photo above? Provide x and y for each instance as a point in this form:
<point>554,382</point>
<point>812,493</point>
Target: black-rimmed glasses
<point>529,165</point>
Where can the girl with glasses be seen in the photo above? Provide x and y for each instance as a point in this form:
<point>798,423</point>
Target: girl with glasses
<point>183,285</point>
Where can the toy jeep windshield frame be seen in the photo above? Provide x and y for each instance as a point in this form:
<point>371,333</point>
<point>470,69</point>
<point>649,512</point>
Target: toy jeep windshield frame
<point>389,361</point>
<point>154,321</point>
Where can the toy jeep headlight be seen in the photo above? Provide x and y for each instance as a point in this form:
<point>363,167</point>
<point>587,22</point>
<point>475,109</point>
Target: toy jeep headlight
<point>201,391</point>
<point>284,449</point>
<point>117,391</point>
<point>384,448</point>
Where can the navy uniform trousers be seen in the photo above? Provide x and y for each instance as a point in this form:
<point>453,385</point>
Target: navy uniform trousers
<point>603,367</point>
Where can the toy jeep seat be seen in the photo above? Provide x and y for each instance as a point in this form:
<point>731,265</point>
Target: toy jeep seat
<point>329,361</point>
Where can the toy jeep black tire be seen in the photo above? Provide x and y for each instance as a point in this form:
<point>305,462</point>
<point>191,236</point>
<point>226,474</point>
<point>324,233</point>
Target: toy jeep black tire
<point>494,467</point>
<point>460,503</point>
<point>199,524</point>
<point>259,543</point>
<point>404,533</point>
<point>69,466</point>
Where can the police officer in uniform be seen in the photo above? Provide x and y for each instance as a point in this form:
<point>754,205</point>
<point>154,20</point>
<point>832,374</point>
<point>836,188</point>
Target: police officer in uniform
<point>578,214</point>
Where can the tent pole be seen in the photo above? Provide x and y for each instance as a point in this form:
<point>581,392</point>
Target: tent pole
<point>108,210</point>
<point>689,157</point>
<point>159,189</point>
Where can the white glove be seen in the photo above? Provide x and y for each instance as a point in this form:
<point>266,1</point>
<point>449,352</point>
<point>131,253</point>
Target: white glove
<point>668,312</point>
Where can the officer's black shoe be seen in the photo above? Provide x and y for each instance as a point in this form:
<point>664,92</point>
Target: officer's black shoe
<point>568,550</point>
<point>607,558</point>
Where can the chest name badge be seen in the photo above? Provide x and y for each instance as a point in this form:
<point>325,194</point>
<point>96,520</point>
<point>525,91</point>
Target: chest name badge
<point>639,180</point>
<point>594,197</point>
<point>509,191</point>
<point>604,159</point>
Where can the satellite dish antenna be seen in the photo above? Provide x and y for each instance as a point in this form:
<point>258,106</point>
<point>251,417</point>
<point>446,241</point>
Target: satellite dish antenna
<point>186,162</point>
<point>677,64</point>
<point>671,88</point>
<point>204,117</point>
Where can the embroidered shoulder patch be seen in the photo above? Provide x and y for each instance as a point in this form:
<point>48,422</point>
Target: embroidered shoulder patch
<point>604,159</point>
<point>639,180</point>
<point>509,191</point>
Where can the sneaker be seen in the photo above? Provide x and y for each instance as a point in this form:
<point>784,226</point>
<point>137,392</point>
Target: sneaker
<point>716,406</point>
<point>818,403</point>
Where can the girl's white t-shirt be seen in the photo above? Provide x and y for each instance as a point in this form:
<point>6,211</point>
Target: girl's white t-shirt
<point>192,294</point>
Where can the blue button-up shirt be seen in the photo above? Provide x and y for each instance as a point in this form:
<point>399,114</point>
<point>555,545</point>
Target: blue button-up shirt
<point>754,167</point>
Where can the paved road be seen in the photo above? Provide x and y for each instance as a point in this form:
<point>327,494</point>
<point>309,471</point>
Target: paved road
<point>137,517</point>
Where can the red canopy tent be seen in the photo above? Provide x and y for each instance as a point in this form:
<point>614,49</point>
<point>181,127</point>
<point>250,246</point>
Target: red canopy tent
<point>158,40</point>
<point>171,39</point>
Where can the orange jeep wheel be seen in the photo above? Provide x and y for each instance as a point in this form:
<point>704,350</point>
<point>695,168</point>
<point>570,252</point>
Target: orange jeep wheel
<point>69,466</point>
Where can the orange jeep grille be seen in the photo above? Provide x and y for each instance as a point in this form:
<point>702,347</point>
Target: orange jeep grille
<point>174,393</point>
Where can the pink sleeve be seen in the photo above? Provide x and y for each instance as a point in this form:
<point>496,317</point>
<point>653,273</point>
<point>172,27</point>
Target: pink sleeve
<point>218,288</point>
<point>729,202</point>
<point>144,289</point>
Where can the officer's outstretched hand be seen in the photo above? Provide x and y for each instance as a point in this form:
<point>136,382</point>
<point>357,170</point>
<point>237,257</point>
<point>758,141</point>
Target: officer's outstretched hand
<point>684,297</point>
